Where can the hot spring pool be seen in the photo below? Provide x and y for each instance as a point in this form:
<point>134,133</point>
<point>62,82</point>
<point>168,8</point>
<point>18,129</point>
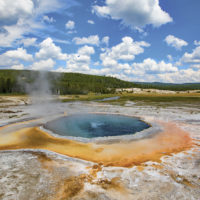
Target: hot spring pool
<point>96,125</point>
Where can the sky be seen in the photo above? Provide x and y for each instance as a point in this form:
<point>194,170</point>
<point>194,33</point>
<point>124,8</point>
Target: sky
<point>134,40</point>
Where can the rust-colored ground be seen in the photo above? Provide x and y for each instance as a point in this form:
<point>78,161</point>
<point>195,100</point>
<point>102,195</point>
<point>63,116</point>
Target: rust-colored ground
<point>125,154</point>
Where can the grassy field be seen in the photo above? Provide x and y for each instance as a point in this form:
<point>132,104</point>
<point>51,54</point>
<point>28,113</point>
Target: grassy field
<point>148,98</point>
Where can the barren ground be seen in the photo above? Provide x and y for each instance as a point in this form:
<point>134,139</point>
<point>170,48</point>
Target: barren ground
<point>41,174</point>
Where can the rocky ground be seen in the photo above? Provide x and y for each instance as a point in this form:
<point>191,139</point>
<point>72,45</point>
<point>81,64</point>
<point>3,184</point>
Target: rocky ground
<point>34,175</point>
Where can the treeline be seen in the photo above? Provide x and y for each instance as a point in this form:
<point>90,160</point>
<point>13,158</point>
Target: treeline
<point>21,81</point>
<point>81,83</point>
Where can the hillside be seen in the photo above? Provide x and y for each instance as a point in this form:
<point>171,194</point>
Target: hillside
<point>21,81</point>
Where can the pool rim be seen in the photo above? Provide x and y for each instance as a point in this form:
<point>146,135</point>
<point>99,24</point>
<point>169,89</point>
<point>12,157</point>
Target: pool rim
<point>145,133</point>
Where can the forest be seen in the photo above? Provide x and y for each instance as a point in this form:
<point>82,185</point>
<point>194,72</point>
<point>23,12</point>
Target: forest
<point>22,81</point>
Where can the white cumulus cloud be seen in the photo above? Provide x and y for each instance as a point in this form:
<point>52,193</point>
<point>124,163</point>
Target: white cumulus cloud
<point>193,57</point>
<point>195,66</point>
<point>21,17</point>
<point>18,67</point>
<point>182,76</point>
<point>86,50</point>
<point>126,51</point>
<point>105,40</point>
<point>80,61</point>
<point>175,42</point>
<point>197,43</point>
<point>92,40</point>
<point>13,57</point>
<point>90,22</point>
<point>134,13</point>
<point>47,64</point>
<point>12,33</point>
<point>170,58</point>
<point>150,66</point>
<point>13,10</point>
<point>70,25</point>
<point>28,41</point>
<point>49,50</point>
<point>48,19</point>
<point>20,53</point>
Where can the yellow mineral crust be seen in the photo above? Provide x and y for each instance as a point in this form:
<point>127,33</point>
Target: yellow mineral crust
<point>125,154</point>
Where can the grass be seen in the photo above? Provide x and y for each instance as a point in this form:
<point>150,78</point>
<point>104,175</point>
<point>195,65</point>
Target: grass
<point>88,97</point>
<point>160,98</point>
<point>150,97</point>
<point>144,99</point>
<point>140,99</point>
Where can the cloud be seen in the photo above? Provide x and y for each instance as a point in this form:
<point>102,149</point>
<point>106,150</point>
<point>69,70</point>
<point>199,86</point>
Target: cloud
<point>61,41</point>
<point>108,61</point>
<point>49,50</point>
<point>21,17</point>
<point>48,19</point>
<point>92,40</point>
<point>193,57</point>
<point>170,58</point>
<point>28,41</point>
<point>20,54</point>
<point>196,66</point>
<point>13,10</point>
<point>18,67</point>
<point>181,76</point>
<point>80,61</point>
<point>134,13</point>
<point>105,40</point>
<point>90,22</point>
<point>43,65</point>
<point>86,50</point>
<point>13,57</point>
<point>197,43</point>
<point>150,66</point>
<point>12,33</point>
<point>70,25</point>
<point>148,71</point>
<point>175,42</point>
<point>126,51</point>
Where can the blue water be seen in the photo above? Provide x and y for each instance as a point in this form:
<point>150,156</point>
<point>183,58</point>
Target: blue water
<point>96,125</point>
<point>109,99</point>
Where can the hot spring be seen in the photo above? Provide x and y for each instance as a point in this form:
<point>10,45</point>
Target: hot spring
<point>96,125</point>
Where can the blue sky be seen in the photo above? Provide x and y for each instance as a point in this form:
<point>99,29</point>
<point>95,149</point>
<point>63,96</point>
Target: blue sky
<point>134,40</point>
